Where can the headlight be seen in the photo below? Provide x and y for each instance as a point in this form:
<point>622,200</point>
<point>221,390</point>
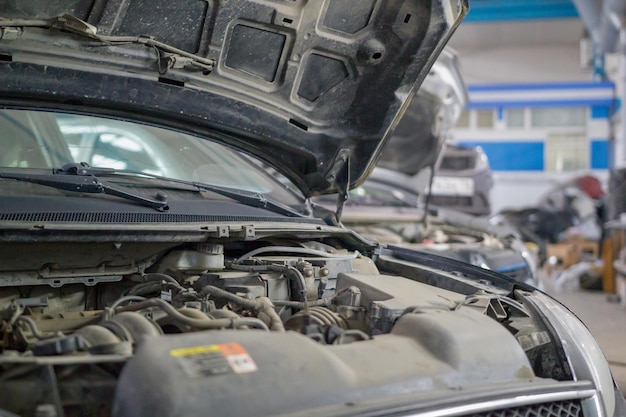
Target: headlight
<point>583,352</point>
<point>482,161</point>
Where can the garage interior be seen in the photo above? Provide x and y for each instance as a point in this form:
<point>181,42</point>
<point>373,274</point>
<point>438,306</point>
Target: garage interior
<point>546,80</point>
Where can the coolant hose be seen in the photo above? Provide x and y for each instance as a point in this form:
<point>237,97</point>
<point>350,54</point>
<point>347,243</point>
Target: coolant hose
<point>297,276</point>
<point>150,287</point>
<point>199,324</point>
<point>261,305</point>
<point>321,302</point>
<point>154,276</point>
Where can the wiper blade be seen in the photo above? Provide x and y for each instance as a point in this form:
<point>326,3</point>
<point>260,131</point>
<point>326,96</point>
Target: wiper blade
<point>244,197</point>
<point>85,183</point>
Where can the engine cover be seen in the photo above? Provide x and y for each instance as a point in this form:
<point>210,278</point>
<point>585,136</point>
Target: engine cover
<point>229,372</point>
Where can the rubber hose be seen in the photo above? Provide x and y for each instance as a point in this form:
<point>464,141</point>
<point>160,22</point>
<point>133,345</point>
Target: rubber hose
<point>262,306</point>
<point>195,323</point>
<point>153,276</point>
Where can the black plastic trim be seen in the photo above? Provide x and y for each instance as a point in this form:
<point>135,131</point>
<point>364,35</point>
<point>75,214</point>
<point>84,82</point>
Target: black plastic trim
<point>117,217</point>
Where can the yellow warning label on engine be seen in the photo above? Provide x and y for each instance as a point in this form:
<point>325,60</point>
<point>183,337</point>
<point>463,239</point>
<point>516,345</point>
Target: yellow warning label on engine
<point>215,359</point>
<point>194,350</point>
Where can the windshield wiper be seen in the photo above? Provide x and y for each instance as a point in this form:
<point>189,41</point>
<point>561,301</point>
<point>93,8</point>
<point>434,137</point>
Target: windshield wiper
<point>84,183</point>
<point>248,198</point>
<point>82,178</point>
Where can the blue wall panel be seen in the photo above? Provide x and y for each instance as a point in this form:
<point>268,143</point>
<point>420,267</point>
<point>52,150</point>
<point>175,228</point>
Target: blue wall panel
<point>504,10</point>
<point>512,156</point>
<point>599,154</point>
<point>600,112</point>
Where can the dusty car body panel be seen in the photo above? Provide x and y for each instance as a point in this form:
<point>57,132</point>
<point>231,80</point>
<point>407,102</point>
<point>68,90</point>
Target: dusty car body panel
<point>171,275</point>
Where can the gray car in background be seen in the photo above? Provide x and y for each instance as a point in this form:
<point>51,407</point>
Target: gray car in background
<point>390,207</point>
<point>463,180</point>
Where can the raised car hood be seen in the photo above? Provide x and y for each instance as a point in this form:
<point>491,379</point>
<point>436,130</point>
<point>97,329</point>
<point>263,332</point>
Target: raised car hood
<point>314,88</point>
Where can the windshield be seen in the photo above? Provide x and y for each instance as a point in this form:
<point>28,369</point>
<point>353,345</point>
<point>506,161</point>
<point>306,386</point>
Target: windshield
<point>373,194</point>
<point>37,139</point>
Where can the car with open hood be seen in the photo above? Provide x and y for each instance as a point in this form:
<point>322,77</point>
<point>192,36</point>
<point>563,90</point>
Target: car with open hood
<point>385,214</point>
<point>394,204</point>
<point>150,266</point>
<point>462,179</point>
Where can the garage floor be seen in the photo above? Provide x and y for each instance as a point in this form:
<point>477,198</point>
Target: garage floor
<point>606,321</point>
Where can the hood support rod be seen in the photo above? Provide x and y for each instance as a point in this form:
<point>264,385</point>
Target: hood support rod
<point>339,176</point>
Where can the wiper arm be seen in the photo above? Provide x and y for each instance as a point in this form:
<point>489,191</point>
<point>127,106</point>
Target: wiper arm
<point>244,197</point>
<point>84,183</point>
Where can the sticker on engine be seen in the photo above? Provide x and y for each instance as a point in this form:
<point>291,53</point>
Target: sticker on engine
<point>210,360</point>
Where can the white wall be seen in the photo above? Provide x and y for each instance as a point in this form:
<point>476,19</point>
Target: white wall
<point>515,190</point>
<point>522,52</point>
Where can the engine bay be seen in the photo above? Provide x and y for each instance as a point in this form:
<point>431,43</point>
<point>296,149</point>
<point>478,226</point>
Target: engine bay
<point>93,321</point>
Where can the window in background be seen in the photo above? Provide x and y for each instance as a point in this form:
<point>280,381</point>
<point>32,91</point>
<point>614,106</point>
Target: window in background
<point>515,118</point>
<point>559,117</point>
<point>484,118</point>
<point>566,153</point>
<point>464,120</point>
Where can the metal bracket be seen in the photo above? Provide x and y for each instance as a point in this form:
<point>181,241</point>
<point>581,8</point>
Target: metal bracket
<point>9,33</point>
<point>223,231</point>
